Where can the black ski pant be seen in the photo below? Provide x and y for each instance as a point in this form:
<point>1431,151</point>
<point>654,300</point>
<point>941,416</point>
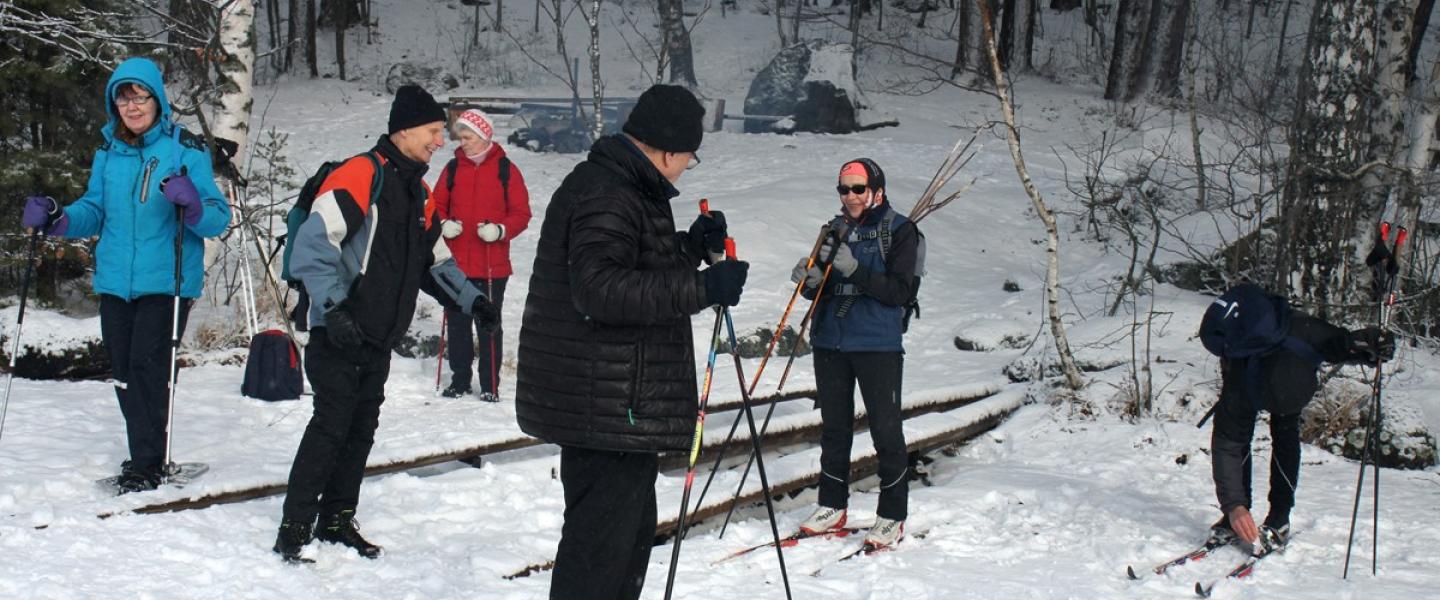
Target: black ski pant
<point>609,524</point>
<point>879,375</point>
<point>137,336</point>
<point>1230,451</point>
<point>349,387</point>
<point>461,347</point>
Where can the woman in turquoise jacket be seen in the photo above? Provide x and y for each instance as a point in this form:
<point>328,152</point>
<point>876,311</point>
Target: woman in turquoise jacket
<point>148,173</point>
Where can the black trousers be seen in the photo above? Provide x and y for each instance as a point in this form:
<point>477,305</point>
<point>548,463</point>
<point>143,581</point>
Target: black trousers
<point>879,375</point>
<point>609,524</point>
<point>461,347</point>
<point>137,336</point>
<point>1230,444</point>
<point>329,465</point>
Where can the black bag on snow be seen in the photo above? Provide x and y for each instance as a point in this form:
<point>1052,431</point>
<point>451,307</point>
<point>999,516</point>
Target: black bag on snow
<point>272,371</point>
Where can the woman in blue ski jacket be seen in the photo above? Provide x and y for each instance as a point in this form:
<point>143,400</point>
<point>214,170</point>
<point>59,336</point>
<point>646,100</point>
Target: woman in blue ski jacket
<point>150,182</point>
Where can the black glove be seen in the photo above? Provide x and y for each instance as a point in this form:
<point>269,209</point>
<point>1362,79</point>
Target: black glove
<point>342,330</point>
<point>1372,345</point>
<point>486,314</point>
<point>724,281</point>
<point>707,234</point>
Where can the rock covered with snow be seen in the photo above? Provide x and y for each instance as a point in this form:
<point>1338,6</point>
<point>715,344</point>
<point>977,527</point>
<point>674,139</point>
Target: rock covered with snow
<point>1337,419</point>
<point>55,346</point>
<point>433,79</point>
<point>812,82</point>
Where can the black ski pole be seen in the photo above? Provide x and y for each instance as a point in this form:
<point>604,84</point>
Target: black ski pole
<point>1386,271</point>
<point>20,321</point>
<point>694,452</point>
<point>759,459</point>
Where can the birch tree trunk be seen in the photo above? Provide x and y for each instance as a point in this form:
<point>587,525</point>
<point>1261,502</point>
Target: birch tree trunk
<point>236,74</point>
<point>1052,249</point>
<point>1325,215</point>
<point>1425,107</point>
<point>1387,120</point>
<point>597,86</point>
<point>677,43</point>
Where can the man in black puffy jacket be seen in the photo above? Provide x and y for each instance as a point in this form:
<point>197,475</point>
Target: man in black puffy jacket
<point>606,359</point>
<point>1285,382</point>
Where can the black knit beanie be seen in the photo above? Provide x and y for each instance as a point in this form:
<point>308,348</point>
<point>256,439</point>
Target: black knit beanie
<point>667,118</point>
<point>413,107</point>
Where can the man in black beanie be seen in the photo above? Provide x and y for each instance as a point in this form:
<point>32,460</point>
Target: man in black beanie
<point>607,358</point>
<point>358,315</point>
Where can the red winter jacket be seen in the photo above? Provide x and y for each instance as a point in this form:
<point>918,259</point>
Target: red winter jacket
<point>476,198</point>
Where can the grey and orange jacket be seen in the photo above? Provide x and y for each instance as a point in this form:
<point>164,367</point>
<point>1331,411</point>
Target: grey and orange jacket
<point>373,258</point>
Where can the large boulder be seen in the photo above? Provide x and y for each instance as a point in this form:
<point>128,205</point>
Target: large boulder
<point>433,79</point>
<point>812,83</point>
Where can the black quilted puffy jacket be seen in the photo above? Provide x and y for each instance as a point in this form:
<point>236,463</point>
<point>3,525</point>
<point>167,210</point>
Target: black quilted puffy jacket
<point>606,358</point>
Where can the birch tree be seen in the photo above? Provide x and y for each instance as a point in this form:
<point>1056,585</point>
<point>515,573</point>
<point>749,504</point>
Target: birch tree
<point>236,71</point>
<point>1052,248</point>
<point>1325,216</point>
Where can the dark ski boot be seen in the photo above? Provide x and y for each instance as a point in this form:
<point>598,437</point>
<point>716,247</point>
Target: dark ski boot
<point>291,540</point>
<point>139,479</point>
<point>456,390</point>
<point>342,529</point>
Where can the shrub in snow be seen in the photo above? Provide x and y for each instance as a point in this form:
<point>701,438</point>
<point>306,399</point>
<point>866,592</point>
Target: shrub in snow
<point>433,79</point>
<point>753,344</point>
<point>1336,422</point>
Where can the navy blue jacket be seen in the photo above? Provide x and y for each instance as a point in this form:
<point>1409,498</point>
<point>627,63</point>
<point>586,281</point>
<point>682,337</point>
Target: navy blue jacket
<point>865,311</point>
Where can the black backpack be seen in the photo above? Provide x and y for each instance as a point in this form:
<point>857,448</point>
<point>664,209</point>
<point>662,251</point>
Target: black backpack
<point>1247,323</point>
<point>272,371</point>
<point>504,176</point>
<point>296,217</point>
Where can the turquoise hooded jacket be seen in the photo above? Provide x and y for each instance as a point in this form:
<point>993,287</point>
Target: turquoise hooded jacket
<point>123,203</point>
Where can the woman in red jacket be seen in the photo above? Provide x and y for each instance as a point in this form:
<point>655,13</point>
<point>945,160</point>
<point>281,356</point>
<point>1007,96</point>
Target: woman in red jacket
<point>483,204</point>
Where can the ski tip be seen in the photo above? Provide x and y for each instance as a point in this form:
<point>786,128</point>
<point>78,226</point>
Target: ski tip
<point>1202,591</point>
<point>1130,572</point>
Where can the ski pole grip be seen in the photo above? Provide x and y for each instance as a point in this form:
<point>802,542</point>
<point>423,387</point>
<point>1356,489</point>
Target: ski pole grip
<point>819,241</point>
<point>1400,238</point>
<point>705,206</point>
<point>730,248</point>
<point>1384,231</point>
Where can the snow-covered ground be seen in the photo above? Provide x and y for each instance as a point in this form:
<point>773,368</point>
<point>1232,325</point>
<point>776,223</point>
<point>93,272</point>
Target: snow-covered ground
<point>1052,504</point>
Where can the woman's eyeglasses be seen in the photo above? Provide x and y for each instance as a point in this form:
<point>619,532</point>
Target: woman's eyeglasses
<point>121,101</point>
<point>857,189</point>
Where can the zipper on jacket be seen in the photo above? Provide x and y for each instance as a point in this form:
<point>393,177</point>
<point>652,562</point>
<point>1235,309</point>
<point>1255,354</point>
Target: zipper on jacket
<point>145,181</point>
<point>635,380</point>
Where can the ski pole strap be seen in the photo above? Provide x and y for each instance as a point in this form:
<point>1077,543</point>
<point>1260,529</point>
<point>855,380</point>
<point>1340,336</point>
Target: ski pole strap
<point>1208,414</point>
<point>845,289</point>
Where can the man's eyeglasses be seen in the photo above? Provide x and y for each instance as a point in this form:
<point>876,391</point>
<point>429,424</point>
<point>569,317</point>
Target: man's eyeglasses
<point>857,189</point>
<point>693,162</point>
<point>122,101</point>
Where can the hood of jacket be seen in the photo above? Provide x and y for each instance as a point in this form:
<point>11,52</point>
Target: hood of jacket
<point>146,73</point>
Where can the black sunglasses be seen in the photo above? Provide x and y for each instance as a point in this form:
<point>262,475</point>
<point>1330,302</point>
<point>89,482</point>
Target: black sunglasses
<point>857,189</point>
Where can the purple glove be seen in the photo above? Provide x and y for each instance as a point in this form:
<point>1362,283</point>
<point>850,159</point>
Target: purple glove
<point>181,192</point>
<point>43,212</point>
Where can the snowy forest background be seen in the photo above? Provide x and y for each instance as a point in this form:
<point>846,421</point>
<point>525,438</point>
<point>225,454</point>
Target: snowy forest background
<point>1171,147</point>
